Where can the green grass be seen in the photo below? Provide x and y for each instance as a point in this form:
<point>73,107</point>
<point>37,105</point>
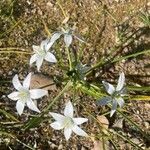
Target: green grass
<point>81,92</point>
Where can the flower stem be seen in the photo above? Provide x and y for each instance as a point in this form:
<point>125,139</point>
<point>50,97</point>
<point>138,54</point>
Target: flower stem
<point>58,96</point>
<point>69,58</point>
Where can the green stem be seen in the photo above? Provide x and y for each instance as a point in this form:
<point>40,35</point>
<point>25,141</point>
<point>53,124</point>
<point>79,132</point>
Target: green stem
<point>69,58</point>
<point>69,84</point>
<point>90,90</point>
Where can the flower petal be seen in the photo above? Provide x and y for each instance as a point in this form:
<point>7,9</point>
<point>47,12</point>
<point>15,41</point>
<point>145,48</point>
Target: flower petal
<point>68,110</point>
<point>49,45</point>
<point>67,133</point>
<point>35,48</point>
<point>26,82</point>
<point>120,101</point>
<point>123,91</point>
<point>57,125</point>
<point>31,105</point>
<point>38,93</point>
<point>13,96</point>
<point>68,39</point>
<point>33,59</point>
<point>79,121</point>
<point>20,106</point>
<point>79,131</point>
<point>16,82</point>
<point>50,57</point>
<point>39,62</point>
<point>44,44</point>
<point>121,82</point>
<point>114,107</point>
<point>104,101</point>
<point>57,117</point>
<point>55,36</point>
<point>109,87</point>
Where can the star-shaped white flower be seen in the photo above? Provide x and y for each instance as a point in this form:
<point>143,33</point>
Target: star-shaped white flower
<point>41,53</point>
<point>24,95</point>
<point>68,36</point>
<point>67,122</point>
<point>116,94</point>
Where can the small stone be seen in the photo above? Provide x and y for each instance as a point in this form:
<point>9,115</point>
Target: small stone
<point>146,124</point>
<point>60,147</point>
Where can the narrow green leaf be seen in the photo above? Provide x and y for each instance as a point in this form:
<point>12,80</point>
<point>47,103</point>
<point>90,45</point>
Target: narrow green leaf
<point>34,122</point>
<point>135,125</point>
<point>130,56</point>
<point>126,139</point>
<point>8,115</point>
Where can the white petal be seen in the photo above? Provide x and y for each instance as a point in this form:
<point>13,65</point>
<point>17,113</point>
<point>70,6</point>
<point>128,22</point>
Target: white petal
<point>79,121</point>
<point>26,82</point>
<point>20,106</point>
<point>50,57</point>
<point>68,110</point>
<point>32,106</point>
<point>38,93</point>
<point>13,96</point>
<point>33,59</point>
<point>109,87</point>
<point>123,91</point>
<point>68,39</point>
<point>35,48</point>
<point>67,133</point>
<point>57,117</point>
<point>79,131</point>
<point>49,45</point>
<point>44,44</point>
<point>120,101</point>
<point>114,107</point>
<point>55,36</point>
<point>121,82</point>
<point>104,101</point>
<point>56,125</point>
<point>39,62</point>
<point>16,82</point>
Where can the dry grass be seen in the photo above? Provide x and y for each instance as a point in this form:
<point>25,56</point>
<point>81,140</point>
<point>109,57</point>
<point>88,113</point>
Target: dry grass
<point>103,24</point>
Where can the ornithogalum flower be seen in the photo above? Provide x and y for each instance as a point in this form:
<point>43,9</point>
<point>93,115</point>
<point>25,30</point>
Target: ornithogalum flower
<point>42,53</point>
<point>24,95</point>
<point>67,122</point>
<point>68,36</point>
<point>115,94</point>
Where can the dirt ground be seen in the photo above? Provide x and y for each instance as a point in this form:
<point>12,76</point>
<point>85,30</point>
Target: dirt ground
<point>103,24</point>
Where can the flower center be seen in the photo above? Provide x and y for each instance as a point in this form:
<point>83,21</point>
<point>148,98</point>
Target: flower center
<point>68,122</point>
<point>116,94</point>
<point>24,95</point>
<point>41,52</point>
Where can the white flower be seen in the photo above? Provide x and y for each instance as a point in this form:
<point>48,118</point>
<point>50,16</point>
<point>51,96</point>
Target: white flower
<point>68,36</point>
<point>67,122</point>
<point>41,53</point>
<point>24,96</point>
<point>115,94</point>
